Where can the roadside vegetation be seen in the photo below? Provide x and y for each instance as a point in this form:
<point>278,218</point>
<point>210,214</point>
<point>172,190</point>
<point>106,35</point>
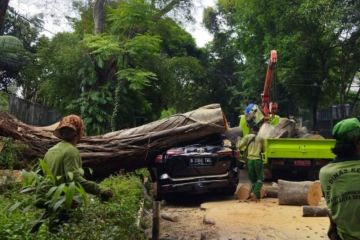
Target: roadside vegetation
<point>116,219</point>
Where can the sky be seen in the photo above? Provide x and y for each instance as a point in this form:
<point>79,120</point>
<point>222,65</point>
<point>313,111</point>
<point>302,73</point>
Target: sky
<point>54,12</point>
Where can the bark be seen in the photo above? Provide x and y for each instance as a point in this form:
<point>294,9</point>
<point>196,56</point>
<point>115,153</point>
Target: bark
<point>3,7</point>
<point>299,193</point>
<point>243,191</point>
<point>271,192</point>
<point>125,149</point>
<point>99,16</point>
<point>310,211</point>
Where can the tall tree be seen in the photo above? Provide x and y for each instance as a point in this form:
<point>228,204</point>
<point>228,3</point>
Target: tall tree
<point>3,7</point>
<point>99,16</point>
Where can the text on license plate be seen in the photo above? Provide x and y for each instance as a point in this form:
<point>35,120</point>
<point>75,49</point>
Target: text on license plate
<point>200,161</point>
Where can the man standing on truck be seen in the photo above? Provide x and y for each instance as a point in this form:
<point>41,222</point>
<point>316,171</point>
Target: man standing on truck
<point>340,182</point>
<point>254,116</point>
<point>253,147</point>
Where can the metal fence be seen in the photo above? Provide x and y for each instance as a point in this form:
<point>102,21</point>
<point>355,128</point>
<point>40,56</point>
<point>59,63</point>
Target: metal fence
<point>328,117</point>
<point>32,113</point>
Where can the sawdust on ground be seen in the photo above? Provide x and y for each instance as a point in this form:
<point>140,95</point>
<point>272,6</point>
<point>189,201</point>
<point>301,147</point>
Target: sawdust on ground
<point>264,220</point>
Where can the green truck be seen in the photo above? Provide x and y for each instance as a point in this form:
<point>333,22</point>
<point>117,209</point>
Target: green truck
<point>292,158</point>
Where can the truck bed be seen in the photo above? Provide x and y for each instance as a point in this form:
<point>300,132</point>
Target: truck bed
<point>296,148</point>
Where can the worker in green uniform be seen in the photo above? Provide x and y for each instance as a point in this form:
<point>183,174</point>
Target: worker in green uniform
<point>254,146</point>
<point>254,116</point>
<point>62,159</point>
<point>340,182</point>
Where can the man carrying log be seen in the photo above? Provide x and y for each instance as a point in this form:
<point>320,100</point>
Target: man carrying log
<point>340,181</point>
<point>253,147</point>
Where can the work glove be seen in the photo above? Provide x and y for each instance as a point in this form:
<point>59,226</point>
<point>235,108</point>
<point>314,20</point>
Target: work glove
<point>106,195</point>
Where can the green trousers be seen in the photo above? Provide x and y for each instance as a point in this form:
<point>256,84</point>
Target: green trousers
<point>256,175</point>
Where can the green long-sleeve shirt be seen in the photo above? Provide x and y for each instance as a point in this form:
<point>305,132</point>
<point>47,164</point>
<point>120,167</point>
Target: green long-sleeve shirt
<point>340,182</point>
<point>255,146</point>
<point>64,158</point>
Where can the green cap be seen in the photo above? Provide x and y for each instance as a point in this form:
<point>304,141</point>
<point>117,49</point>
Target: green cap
<point>347,130</point>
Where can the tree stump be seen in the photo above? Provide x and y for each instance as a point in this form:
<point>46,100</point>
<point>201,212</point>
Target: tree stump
<point>311,211</point>
<point>299,193</point>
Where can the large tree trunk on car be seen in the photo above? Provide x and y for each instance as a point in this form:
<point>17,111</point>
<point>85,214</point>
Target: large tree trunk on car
<point>125,149</point>
<point>299,193</point>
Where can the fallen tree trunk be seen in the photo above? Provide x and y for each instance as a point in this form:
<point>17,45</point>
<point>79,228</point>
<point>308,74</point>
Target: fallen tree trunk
<point>299,193</point>
<point>311,211</point>
<point>125,149</point>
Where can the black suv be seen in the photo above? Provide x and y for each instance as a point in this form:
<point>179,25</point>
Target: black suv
<point>197,168</point>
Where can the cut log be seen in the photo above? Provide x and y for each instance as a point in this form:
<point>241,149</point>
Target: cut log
<point>243,191</point>
<point>125,149</point>
<point>299,193</point>
<point>271,191</point>
<point>313,211</point>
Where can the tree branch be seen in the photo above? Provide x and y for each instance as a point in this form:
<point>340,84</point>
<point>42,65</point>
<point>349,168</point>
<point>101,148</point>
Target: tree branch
<point>167,8</point>
<point>3,6</point>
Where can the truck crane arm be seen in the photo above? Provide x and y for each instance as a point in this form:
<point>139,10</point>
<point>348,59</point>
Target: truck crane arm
<point>267,106</point>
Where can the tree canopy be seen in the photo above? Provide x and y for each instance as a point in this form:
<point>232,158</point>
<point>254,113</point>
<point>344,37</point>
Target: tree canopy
<point>130,62</point>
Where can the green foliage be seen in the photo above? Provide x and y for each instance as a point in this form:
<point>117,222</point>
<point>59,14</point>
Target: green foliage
<point>130,18</point>
<point>11,154</point>
<point>93,106</point>
<point>186,88</point>
<point>316,42</point>
<point>102,47</point>
<point>115,219</point>
<point>64,71</point>
<point>23,37</point>
<point>143,48</point>
<point>52,193</point>
<point>123,76</point>
<point>15,224</point>
<point>167,113</point>
<point>4,104</point>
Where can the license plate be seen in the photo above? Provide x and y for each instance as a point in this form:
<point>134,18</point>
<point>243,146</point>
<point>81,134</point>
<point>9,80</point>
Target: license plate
<point>200,162</point>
